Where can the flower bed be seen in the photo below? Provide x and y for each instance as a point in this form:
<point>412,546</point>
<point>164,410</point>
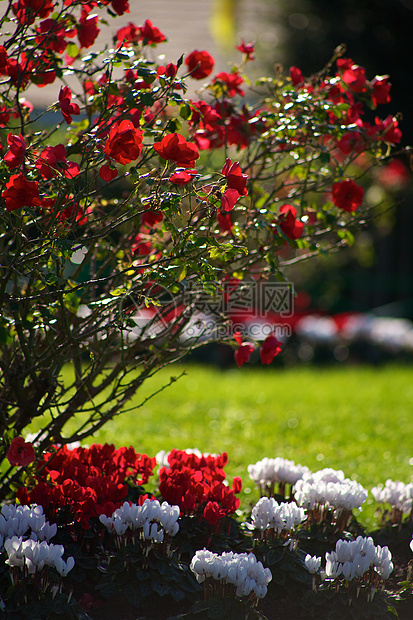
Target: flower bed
<point>88,541</point>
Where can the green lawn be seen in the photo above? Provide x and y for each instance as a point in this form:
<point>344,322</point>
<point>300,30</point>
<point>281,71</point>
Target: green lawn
<point>358,419</point>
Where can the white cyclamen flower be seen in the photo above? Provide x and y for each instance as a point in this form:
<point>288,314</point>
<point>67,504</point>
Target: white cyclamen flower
<point>312,563</point>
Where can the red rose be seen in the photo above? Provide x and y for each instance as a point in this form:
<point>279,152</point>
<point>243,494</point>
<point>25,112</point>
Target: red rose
<point>169,71</point>
<point>182,177</point>
<point>4,116</point>
<point>381,90</point>
<point>351,142</point>
<point>347,195</point>
<point>128,34</point>
<point>296,76</point>
<point>107,173</point>
<point>151,34</point>
<point>174,147</point>
<point>224,221</point>
<point>243,353</point>
<point>200,64</point>
<point>27,10</point>
<point>247,49</point>
<point>124,143</point>
<point>269,349</point>
<point>21,452</point>
<point>51,35</point>
<point>17,149</point>
<point>235,178</point>
<point>389,129</point>
<point>229,199</point>
<point>288,223</point>
<point>120,6</point>
<point>20,193</point>
<point>353,75</point>
<point>151,218</point>
<point>67,108</point>
<point>232,82</point>
<point>52,159</point>
<point>87,29</point>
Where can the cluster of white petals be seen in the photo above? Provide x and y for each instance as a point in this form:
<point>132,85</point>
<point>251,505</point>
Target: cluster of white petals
<point>312,563</point>
<point>268,514</point>
<point>397,494</point>
<point>24,521</point>
<point>35,555</point>
<point>278,470</point>
<point>330,488</point>
<point>354,558</point>
<point>153,519</point>
<point>242,570</point>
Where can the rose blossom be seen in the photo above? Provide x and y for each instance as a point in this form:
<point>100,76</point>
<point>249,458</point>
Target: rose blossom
<point>124,143</point>
<point>347,195</point>
<point>20,193</point>
<point>200,64</point>
<point>21,452</point>
<point>175,148</point>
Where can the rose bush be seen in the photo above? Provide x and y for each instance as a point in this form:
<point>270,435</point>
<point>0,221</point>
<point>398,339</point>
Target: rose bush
<point>140,210</point>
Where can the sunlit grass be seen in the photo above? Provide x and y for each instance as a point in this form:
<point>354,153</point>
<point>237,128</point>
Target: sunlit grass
<point>358,419</point>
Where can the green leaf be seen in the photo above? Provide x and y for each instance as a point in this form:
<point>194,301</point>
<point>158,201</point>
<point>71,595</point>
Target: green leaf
<point>161,588</point>
<point>185,111</point>
<point>217,610</point>
<point>71,301</point>
<point>182,273</point>
<point>72,50</point>
<point>177,594</point>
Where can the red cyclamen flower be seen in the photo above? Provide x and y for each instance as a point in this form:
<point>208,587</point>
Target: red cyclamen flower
<point>20,193</point>
<point>67,108</point>
<point>200,64</point>
<point>269,349</point>
<point>21,452</point>
<point>347,195</point>
<point>17,149</point>
<point>174,147</point>
<point>124,143</point>
<point>213,513</point>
